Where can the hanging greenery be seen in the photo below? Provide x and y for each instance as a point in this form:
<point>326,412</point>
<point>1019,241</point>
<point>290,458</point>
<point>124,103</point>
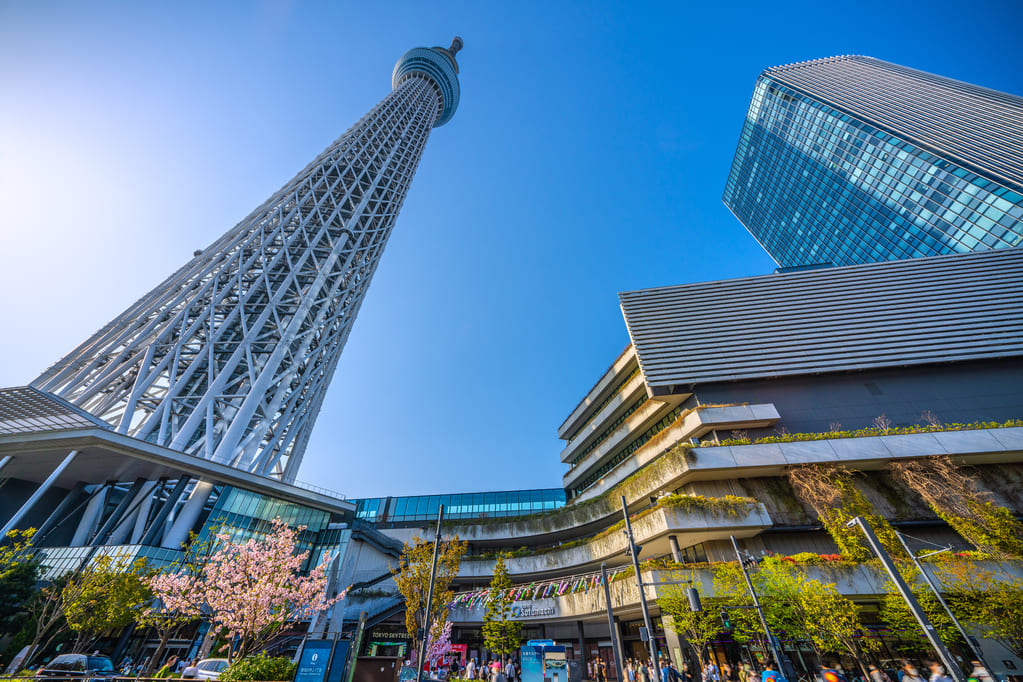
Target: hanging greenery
<point>959,499</point>
<point>830,491</point>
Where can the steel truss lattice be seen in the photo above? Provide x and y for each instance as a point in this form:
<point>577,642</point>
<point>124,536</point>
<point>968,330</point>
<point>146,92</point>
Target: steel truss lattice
<point>230,358</point>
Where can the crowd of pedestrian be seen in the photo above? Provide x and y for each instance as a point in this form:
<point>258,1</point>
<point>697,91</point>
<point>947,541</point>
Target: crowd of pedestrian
<point>830,671</point>
<point>493,671</point>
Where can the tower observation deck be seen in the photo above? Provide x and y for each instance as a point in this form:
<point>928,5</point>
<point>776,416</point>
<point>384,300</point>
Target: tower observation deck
<point>230,357</point>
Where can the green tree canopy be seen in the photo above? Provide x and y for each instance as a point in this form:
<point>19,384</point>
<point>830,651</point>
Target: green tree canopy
<point>501,633</point>
<point>107,595</point>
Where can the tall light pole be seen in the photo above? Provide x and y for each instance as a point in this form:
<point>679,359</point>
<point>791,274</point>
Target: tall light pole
<point>756,603</point>
<point>914,606</point>
<point>611,623</point>
<point>429,599</point>
<point>941,600</point>
<point>634,550</point>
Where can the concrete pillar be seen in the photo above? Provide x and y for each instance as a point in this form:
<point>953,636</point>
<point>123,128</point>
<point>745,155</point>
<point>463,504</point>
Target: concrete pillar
<point>54,518</point>
<point>178,533</point>
<point>156,527</point>
<point>142,516</point>
<point>676,553</point>
<point>621,646</point>
<point>91,517</point>
<point>139,498</point>
<point>582,648</point>
<point>116,515</point>
<point>39,492</point>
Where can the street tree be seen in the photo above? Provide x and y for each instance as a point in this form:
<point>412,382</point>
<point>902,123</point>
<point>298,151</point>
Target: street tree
<point>107,595</point>
<point>795,605</point>
<point>19,572</point>
<point>990,599</point>
<point>438,646</point>
<point>412,577</point>
<point>187,597</point>
<point>896,615</point>
<point>698,628</point>
<point>249,590</point>
<point>501,633</point>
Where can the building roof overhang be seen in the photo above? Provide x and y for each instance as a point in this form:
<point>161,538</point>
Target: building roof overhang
<point>104,456</point>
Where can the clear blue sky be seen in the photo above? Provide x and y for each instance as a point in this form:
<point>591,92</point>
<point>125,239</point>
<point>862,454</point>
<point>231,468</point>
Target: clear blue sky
<point>587,157</point>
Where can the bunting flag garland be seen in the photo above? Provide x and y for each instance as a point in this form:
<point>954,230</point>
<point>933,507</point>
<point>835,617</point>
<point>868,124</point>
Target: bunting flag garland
<point>534,590</point>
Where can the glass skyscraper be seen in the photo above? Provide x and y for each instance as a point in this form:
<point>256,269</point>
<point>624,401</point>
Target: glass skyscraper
<point>851,160</point>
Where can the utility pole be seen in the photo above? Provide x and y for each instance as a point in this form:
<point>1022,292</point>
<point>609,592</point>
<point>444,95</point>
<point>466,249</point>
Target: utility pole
<point>429,600</point>
<point>756,604</point>
<point>941,600</point>
<point>914,606</point>
<point>611,623</point>
<point>651,644</point>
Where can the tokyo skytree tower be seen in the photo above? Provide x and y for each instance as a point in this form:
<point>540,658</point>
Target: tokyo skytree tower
<point>230,357</point>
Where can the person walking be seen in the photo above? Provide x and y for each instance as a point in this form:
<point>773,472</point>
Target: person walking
<point>771,675</point>
<point>876,674</point>
<point>509,671</point>
<point>644,672</point>
<point>910,673</point>
<point>980,673</point>
<point>601,670</point>
<point>168,668</point>
<point>830,674</point>
<point>938,673</point>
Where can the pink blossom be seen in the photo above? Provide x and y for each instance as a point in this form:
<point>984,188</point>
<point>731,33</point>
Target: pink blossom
<point>249,589</point>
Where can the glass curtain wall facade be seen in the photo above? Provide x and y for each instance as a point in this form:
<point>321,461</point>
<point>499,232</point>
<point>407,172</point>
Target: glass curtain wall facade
<point>243,515</point>
<point>853,160</point>
<point>459,505</point>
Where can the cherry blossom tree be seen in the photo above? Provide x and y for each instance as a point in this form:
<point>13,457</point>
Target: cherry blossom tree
<point>439,645</point>
<point>249,590</point>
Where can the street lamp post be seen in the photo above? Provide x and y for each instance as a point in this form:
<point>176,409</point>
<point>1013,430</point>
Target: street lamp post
<point>941,600</point>
<point>429,599</point>
<point>634,550</point>
<point>903,588</point>
<point>611,623</point>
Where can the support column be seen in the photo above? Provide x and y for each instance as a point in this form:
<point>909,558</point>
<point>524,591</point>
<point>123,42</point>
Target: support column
<point>582,648</point>
<point>142,498</point>
<point>39,492</point>
<point>54,518</point>
<point>178,533</point>
<point>676,553</point>
<point>115,516</point>
<point>142,516</point>
<point>5,461</point>
<point>621,643</point>
<point>156,527</point>
<point>91,517</point>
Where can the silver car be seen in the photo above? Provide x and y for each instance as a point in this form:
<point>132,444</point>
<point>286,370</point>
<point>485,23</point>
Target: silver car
<point>210,668</point>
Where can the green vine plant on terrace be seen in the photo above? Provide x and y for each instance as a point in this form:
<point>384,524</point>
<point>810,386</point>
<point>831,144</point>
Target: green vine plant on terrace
<point>830,491</point>
<point>862,433</point>
<point>958,498</point>
<point>730,505</point>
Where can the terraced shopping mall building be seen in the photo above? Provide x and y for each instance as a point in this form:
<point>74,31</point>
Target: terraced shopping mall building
<point>725,389</point>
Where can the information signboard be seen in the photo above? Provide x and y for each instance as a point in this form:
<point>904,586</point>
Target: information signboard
<point>312,666</point>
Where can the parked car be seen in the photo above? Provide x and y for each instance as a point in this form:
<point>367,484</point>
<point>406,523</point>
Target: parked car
<point>210,668</point>
<point>77,666</point>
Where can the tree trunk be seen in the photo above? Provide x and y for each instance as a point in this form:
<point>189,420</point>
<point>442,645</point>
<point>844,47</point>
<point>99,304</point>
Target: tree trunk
<point>158,654</point>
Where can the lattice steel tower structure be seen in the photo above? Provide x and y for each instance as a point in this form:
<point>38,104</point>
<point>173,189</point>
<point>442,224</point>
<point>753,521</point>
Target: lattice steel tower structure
<point>230,357</point>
